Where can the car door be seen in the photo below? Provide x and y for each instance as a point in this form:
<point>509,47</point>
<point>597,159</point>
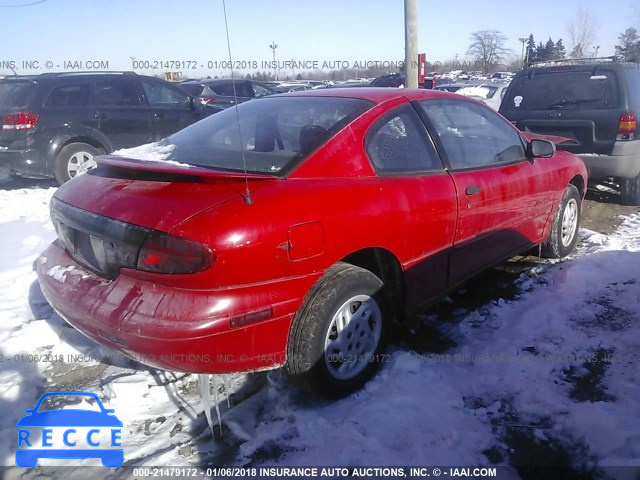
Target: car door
<point>421,199</point>
<point>172,109</point>
<point>119,113</point>
<point>503,199</point>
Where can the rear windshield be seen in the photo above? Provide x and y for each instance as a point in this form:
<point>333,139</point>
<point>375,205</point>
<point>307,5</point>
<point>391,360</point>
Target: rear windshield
<point>564,90</point>
<point>275,132</point>
<point>16,94</point>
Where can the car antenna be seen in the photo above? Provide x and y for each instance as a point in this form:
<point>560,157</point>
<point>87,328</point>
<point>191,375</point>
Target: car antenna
<point>247,195</point>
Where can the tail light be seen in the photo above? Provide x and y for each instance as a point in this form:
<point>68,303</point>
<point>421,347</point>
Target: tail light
<point>628,127</point>
<point>162,253</point>
<point>20,121</point>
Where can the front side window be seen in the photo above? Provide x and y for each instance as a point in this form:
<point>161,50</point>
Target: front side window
<point>397,143</point>
<point>115,93</point>
<point>473,135</point>
<point>273,132</point>
<point>162,96</point>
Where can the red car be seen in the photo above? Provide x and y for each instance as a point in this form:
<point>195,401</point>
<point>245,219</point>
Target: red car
<point>296,230</point>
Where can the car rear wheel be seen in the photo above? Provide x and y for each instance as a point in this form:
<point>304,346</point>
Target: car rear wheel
<point>339,335</point>
<point>73,160</point>
<point>630,191</point>
<point>564,229</point>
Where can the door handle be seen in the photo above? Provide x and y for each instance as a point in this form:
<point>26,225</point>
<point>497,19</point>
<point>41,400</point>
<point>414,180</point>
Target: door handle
<point>100,115</point>
<point>158,115</point>
<point>473,190</point>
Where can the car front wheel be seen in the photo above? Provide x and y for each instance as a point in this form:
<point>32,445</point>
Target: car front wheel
<point>339,335</point>
<point>73,160</point>
<point>564,229</point>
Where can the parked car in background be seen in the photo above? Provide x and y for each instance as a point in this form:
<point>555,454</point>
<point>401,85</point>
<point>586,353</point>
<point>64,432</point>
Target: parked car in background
<point>491,94</point>
<point>451,87</point>
<point>54,124</point>
<point>219,93</point>
<point>595,103</point>
<point>190,254</point>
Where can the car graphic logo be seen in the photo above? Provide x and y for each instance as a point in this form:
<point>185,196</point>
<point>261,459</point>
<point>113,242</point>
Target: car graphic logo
<point>69,433</point>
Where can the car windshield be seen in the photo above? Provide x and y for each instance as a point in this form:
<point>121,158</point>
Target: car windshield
<point>559,90</point>
<point>15,94</point>
<point>274,132</point>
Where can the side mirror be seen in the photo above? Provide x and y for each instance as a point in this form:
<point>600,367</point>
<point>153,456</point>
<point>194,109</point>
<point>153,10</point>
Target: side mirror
<point>538,148</point>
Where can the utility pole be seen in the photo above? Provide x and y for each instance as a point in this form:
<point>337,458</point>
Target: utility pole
<point>522,39</point>
<point>410,44</point>
<point>273,47</point>
<point>595,50</point>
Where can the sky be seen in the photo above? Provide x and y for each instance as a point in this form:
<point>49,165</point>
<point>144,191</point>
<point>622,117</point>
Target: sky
<point>192,32</point>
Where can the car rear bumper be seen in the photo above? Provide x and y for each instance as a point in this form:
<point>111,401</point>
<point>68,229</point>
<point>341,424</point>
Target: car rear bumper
<point>242,328</point>
<point>624,161</point>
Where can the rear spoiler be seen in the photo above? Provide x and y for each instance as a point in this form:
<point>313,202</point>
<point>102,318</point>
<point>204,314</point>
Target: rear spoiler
<point>171,167</point>
<point>555,139</point>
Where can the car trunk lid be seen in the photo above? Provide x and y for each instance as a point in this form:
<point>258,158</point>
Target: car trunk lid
<point>104,216</point>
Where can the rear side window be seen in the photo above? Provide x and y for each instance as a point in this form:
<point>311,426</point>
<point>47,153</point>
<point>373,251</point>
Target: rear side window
<point>115,93</point>
<point>226,89</point>
<point>68,96</point>
<point>559,90</point>
<point>633,87</point>
<point>16,94</point>
<point>163,96</point>
<point>472,135</point>
<point>274,133</point>
<point>193,89</point>
<point>398,143</point>
<point>260,91</point>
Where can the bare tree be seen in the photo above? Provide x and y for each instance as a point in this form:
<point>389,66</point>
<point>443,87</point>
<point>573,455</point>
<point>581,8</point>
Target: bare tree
<point>583,30</point>
<point>487,48</point>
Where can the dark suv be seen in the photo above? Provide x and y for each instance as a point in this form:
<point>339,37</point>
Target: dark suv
<point>54,124</point>
<point>596,103</point>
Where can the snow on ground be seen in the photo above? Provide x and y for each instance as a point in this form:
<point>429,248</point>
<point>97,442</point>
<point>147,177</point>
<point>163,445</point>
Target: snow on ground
<point>547,375</point>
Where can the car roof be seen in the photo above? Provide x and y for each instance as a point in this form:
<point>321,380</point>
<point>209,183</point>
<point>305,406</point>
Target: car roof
<point>373,94</point>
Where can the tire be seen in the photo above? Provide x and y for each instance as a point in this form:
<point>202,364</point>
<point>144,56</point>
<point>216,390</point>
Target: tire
<point>565,226</point>
<point>316,361</point>
<point>630,191</point>
<point>74,159</point>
